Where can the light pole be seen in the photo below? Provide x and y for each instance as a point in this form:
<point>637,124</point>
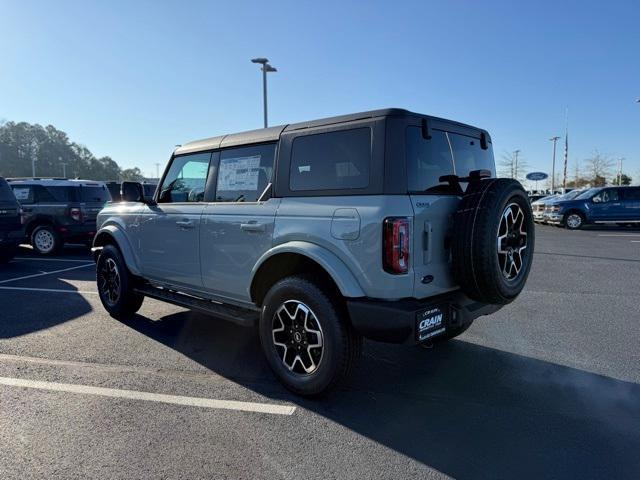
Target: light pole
<point>553,164</point>
<point>33,167</point>
<point>64,167</point>
<point>515,173</point>
<point>265,69</point>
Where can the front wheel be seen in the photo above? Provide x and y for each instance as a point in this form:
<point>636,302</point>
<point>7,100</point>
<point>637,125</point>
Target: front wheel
<point>306,337</point>
<point>573,221</point>
<point>115,284</point>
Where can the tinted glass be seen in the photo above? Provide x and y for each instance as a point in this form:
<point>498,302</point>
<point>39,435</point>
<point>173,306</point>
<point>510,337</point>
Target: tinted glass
<point>149,189</point>
<point>331,161</point>
<point>64,194</point>
<point>244,173</point>
<point>469,156</point>
<point>6,195</point>
<point>427,160</point>
<point>42,194</point>
<point>587,193</point>
<point>186,179</point>
<point>94,194</point>
<point>632,194</point>
<point>23,193</point>
<point>610,196</point>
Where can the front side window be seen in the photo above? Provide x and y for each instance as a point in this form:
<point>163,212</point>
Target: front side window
<point>606,196</point>
<point>244,173</point>
<point>186,179</point>
<point>23,193</point>
<point>331,161</point>
<point>427,160</point>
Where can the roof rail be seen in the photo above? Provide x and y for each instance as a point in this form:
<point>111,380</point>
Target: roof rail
<point>36,178</point>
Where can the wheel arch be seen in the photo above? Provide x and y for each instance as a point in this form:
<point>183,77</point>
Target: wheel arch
<point>299,257</point>
<point>113,235</point>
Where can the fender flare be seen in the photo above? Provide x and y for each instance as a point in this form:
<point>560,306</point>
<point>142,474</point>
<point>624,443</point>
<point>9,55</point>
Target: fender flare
<point>337,270</point>
<point>122,242</point>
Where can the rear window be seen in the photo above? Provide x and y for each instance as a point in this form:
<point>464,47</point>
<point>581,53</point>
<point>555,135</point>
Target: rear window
<point>94,194</point>
<point>336,160</point>
<point>444,153</point>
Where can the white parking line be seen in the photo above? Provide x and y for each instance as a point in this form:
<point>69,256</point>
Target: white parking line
<point>47,273</point>
<point>52,290</point>
<point>74,260</point>
<point>269,408</point>
<point>619,235</point>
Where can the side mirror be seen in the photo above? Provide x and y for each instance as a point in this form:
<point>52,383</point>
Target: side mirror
<point>597,199</point>
<point>134,192</point>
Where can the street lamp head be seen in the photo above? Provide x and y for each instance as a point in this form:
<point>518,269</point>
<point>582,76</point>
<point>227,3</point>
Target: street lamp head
<point>268,68</point>
<point>259,60</point>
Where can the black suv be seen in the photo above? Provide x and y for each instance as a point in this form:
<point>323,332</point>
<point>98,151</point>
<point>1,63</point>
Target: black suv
<point>59,211</point>
<point>11,232</point>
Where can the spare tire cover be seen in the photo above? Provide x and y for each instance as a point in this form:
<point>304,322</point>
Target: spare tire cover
<point>493,240</point>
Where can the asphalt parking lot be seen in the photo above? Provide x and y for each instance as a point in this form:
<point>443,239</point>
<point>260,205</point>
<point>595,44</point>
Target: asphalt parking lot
<point>548,387</point>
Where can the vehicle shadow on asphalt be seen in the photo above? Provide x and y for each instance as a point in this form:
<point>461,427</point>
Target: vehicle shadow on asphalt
<point>466,410</point>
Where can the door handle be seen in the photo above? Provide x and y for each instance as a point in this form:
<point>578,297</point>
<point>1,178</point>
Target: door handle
<point>253,226</point>
<point>185,224</point>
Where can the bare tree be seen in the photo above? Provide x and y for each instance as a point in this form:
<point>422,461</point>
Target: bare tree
<point>512,165</point>
<point>598,167</point>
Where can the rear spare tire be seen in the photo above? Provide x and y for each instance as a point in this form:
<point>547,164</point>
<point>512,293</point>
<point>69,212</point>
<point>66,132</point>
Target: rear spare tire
<point>493,240</point>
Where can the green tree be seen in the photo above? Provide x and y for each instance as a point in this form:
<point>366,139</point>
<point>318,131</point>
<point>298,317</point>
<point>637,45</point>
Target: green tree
<point>53,152</point>
<point>132,175</point>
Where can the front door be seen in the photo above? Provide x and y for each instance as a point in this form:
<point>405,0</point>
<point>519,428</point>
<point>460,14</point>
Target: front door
<point>631,203</point>
<point>169,232</point>
<point>607,206</point>
<point>237,228</point>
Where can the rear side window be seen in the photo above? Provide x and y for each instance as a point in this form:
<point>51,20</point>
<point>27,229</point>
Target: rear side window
<point>336,160</point>
<point>469,156</point>
<point>94,194</point>
<point>445,153</point>
<point>632,194</point>
<point>63,194</point>
<point>244,173</point>
<point>427,160</point>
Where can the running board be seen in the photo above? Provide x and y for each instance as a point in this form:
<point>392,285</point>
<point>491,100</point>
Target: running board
<point>231,313</point>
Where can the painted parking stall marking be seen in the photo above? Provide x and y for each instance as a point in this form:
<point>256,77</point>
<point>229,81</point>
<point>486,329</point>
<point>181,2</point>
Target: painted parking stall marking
<point>256,407</point>
<point>46,273</point>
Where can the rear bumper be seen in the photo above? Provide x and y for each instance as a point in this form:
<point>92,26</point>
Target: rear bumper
<point>397,321</point>
<point>83,233</point>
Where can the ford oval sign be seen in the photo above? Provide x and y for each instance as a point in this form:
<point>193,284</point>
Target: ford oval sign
<point>535,176</point>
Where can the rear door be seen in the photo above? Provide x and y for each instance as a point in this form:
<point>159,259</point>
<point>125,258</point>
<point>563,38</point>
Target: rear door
<point>167,235</point>
<point>434,202</point>
<point>237,227</point>
<point>631,203</point>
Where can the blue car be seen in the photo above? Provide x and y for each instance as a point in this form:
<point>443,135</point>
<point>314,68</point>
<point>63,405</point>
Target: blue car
<point>620,205</point>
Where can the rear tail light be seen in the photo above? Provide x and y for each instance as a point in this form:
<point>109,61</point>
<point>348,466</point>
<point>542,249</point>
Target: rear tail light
<point>395,238</point>
<point>76,214</point>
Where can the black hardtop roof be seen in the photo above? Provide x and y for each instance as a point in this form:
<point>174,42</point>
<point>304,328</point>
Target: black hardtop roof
<point>272,134</point>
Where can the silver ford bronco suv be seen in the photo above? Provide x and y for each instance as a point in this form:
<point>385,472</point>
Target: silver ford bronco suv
<point>387,224</point>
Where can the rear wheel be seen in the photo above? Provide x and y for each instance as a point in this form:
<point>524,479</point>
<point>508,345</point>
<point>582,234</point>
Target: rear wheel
<point>306,338</point>
<point>45,240</point>
<point>115,284</point>
<point>573,221</point>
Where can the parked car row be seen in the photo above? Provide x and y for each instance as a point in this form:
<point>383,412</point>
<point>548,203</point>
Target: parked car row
<point>602,205</point>
<point>49,212</point>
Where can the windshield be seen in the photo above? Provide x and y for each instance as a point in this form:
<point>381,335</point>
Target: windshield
<point>587,193</point>
<point>430,159</point>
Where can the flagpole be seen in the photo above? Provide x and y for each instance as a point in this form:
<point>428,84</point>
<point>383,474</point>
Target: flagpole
<point>566,149</point>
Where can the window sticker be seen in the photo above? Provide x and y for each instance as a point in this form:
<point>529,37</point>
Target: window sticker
<point>21,193</point>
<point>239,173</point>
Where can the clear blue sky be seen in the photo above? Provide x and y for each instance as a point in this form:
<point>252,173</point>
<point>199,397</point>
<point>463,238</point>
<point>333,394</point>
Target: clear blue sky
<point>132,79</point>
